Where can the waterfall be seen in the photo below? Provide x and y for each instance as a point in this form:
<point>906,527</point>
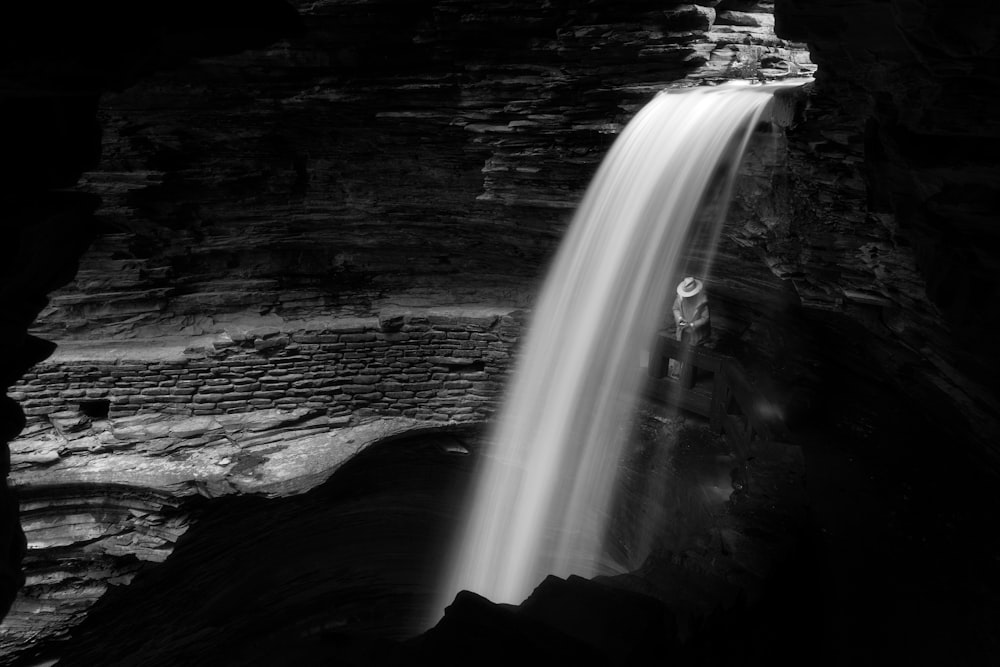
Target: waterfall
<point>543,488</point>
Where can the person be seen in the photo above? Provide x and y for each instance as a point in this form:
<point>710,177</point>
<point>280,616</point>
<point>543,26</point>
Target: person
<point>692,318</point>
<point>691,312</point>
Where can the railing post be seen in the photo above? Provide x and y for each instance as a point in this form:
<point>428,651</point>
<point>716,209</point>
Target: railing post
<point>659,359</point>
<point>689,371</point>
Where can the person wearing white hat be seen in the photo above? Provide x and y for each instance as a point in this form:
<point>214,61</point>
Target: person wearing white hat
<point>691,312</point>
<point>693,324</point>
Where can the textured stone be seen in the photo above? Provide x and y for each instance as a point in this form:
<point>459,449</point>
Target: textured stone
<point>111,529</point>
<point>298,182</point>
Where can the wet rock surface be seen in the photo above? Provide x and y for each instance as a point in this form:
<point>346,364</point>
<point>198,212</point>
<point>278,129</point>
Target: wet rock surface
<point>344,161</point>
<point>362,156</point>
<point>397,154</point>
<point>800,553</point>
<point>849,269</point>
<point>120,493</point>
<point>901,129</point>
<point>346,571</point>
<point>431,364</point>
<point>257,580</point>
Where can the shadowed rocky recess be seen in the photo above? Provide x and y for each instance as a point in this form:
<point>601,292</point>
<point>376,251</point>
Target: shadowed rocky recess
<point>265,269</point>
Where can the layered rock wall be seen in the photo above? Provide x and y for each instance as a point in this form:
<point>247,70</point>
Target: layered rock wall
<point>438,367</point>
<point>410,155</point>
<point>885,214</point>
<point>416,154</point>
<point>391,155</point>
<point>394,155</point>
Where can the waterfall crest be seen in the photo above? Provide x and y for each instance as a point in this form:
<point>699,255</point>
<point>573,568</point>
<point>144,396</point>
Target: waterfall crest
<point>542,492</point>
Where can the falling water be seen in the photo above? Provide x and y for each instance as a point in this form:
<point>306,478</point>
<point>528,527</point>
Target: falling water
<point>543,489</point>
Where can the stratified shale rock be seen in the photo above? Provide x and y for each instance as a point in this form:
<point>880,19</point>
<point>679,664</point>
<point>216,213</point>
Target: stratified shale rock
<point>890,196</point>
<point>335,225</point>
<point>112,494</point>
<point>313,226</point>
<point>803,208</point>
<point>57,61</point>
<point>258,409</point>
<point>437,365</point>
<point>83,538</point>
<point>412,156</point>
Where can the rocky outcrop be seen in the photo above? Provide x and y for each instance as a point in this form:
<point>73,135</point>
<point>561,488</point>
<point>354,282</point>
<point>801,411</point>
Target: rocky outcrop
<point>119,434</point>
<point>882,211</point>
<point>385,158</point>
<point>57,62</point>
<point>350,159</point>
<point>345,568</point>
<point>437,365</point>
<point>83,539</point>
<point>105,498</point>
<point>804,209</point>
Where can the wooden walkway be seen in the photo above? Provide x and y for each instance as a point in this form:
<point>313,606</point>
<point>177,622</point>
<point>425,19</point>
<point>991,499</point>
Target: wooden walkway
<point>715,386</point>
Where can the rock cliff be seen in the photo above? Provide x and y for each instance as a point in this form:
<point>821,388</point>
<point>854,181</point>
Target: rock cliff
<point>906,138</point>
<point>266,235</point>
<point>341,224</point>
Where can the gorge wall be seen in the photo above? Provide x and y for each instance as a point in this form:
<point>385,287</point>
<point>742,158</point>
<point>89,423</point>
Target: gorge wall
<point>325,223</point>
<point>430,366</point>
<point>295,249</point>
<point>387,158</point>
<point>907,145</point>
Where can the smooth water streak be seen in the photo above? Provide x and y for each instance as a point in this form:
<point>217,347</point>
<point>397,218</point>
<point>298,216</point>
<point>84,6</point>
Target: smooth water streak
<point>543,489</point>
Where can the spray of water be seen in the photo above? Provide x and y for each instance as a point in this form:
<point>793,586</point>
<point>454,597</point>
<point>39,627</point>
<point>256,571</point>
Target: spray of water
<point>543,490</point>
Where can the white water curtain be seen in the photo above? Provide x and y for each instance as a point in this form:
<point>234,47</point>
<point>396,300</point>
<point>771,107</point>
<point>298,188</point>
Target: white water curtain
<point>543,489</point>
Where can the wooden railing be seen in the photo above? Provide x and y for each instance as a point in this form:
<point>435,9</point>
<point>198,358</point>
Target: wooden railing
<point>717,387</point>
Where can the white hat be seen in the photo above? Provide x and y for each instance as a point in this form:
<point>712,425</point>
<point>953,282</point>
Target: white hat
<point>689,287</point>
